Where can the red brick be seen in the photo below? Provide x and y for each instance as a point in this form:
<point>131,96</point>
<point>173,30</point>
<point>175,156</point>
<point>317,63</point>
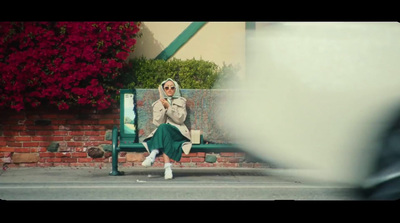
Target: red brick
<point>27,133</point>
<point>69,160</point>
<point>14,144</point>
<point>60,133</point>
<point>76,133</point>
<point>106,121</point>
<point>47,155</point>
<point>80,138</point>
<point>7,149</point>
<point>96,138</point>
<point>227,154</point>
<point>102,160</point>
<point>38,149</point>
<point>74,122</point>
<point>4,154</point>
<point>201,154</point>
<point>110,116</point>
<point>92,133</point>
<point>189,155</point>
<point>197,159</point>
<point>53,160</point>
<point>84,160</point>
<point>99,127</point>
<point>64,127</point>
<point>2,138</point>
<point>33,116</point>
<point>233,160</point>
<point>43,128</point>
<point>79,154</point>
<point>19,116</point>
<point>92,143</point>
<point>88,127</point>
<point>22,150</point>
<point>58,122</point>
<point>19,128</point>
<point>23,138</point>
<point>67,138</point>
<point>9,122</point>
<point>80,149</point>
<point>74,143</point>
<point>63,154</point>
<point>44,144</point>
<point>185,160</point>
<point>47,138</point>
<point>49,116</point>
<point>11,133</point>
<point>30,144</point>
<point>66,116</point>
<point>66,149</point>
<point>90,122</point>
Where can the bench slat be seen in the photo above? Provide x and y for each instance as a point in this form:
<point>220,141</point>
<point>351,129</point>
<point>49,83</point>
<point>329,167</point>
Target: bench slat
<point>139,147</point>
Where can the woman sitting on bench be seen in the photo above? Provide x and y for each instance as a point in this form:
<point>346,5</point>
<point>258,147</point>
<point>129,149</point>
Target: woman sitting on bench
<point>171,136</point>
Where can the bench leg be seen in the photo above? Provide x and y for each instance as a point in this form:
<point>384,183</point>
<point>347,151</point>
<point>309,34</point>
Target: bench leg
<point>114,171</point>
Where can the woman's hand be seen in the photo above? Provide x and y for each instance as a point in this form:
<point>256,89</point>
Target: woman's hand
<point>160,92</point>
<point>164,103</point>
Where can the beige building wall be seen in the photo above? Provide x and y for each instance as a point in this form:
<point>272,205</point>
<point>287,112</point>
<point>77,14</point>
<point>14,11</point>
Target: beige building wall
<point>219,42</point>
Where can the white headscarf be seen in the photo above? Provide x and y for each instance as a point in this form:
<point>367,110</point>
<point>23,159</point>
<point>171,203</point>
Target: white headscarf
<point>164,95</point>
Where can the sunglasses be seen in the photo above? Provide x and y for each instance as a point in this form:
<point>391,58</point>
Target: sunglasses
<point>167,88</point>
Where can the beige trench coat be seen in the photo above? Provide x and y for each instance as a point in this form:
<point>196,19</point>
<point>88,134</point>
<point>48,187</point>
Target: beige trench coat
<point>174,115</point>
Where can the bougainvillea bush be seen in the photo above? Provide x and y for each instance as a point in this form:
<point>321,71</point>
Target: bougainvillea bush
<point>63,63</point>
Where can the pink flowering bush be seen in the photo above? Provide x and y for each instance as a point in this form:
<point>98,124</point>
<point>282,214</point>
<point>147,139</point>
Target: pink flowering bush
<point>63,63</point>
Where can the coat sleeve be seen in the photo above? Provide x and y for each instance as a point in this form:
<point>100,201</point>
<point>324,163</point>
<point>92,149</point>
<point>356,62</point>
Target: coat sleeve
<point>177,112</point>
<point>159,116</point>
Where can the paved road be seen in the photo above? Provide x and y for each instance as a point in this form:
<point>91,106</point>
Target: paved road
<point>149,184</point>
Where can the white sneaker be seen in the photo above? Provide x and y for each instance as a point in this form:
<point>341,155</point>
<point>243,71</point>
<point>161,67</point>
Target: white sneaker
<point>147,162</point>
<point>168,173</point>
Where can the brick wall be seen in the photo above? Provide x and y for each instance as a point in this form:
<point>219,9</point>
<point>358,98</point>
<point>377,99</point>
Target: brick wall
<point>47,137</point>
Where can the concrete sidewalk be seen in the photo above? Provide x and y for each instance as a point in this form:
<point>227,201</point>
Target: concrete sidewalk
<point>138,183</point>
<point>138,174</point>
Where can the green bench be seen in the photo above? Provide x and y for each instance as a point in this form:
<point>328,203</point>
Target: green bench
<point>126,138</point>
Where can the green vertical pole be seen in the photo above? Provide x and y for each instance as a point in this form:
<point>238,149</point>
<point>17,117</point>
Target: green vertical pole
<point>114,170</point>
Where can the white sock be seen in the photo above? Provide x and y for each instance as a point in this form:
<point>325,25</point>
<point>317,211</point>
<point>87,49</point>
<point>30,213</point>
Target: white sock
<point>153,154</point>
<point>167,165</point>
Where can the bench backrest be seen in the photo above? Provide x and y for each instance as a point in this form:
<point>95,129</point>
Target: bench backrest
<point>203,106</point>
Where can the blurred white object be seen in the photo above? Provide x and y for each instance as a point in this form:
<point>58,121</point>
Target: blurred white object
<point>316,95</point>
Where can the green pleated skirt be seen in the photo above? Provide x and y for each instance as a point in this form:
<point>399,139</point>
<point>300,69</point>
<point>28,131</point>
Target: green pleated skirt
<point>168,139</point>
